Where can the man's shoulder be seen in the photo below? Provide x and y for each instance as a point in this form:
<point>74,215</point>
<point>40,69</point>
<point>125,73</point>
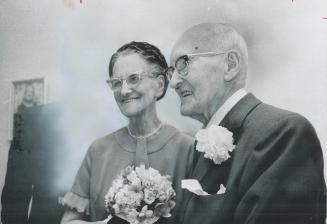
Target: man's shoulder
<point>270,112</point>
<point>268,117</point>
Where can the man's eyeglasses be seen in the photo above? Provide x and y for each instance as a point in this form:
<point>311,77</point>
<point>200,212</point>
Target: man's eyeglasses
<point>132,81</point>
<point>181,64</point>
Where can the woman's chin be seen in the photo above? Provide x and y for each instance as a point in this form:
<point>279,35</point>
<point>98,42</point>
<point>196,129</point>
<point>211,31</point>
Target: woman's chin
<point>130,112</point>
<point>134,110</point>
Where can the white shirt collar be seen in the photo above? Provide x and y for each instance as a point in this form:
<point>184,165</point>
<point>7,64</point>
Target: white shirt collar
<point>226,107</point>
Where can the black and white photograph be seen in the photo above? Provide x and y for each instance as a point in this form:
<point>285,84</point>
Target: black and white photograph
<point>25,94</point>
<point>163,112</point>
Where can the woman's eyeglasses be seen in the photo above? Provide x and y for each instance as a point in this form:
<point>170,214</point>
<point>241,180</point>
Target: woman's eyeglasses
<point>181,64</point>
<point>132,81</point>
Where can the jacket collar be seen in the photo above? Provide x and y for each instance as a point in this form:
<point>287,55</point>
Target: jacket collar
<point>236,116</point>
<point>226,107</point>
<point>232,121</point>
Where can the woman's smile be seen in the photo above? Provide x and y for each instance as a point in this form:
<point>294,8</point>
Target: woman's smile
<point>129,100</point>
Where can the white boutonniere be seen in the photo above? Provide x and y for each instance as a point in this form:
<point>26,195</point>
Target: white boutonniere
<point>216,142</point>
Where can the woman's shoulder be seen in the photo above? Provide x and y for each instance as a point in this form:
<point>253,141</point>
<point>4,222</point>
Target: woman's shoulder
<point>180,136</point>
<point>106,140</point>
<point>181,144</point>
<point>179,133</point>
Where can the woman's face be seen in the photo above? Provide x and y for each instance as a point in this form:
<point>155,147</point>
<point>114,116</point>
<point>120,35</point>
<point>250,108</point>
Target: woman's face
<point>136,99</point>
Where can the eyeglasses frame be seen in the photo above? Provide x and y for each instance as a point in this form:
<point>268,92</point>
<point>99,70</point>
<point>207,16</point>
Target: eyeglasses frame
<point>202,54</point>
<point>139,73</point>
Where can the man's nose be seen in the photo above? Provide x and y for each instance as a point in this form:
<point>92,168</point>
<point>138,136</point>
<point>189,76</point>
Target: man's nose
<point>175,80</point>
<point>125,88</point>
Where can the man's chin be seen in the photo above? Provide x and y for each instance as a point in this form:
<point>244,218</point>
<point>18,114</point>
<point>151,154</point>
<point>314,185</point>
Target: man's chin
<point>186,111</point>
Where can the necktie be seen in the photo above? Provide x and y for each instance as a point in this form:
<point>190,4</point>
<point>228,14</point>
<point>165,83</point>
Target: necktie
<point>141,154</point>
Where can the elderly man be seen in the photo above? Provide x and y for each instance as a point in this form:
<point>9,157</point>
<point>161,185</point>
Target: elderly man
<point>275,172</point>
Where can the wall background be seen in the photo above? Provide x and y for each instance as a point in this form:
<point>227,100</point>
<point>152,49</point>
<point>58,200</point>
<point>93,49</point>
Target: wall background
<point>70,44</point>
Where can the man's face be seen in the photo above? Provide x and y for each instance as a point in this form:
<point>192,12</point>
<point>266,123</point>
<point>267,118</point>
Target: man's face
<point>29,93</point>
<point>202,86</point>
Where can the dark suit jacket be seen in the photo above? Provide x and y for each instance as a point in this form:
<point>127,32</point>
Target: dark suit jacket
<point>33,160</point>
<point>275,173</point>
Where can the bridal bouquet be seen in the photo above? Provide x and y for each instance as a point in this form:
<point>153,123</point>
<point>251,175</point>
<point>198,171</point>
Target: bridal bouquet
<point>140,196</point>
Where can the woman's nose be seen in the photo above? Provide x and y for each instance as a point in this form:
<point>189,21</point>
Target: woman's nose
<point>125,88</point>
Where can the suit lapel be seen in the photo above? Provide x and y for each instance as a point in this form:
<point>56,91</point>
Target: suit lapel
<point>201,167</point>
<point>232,121</point>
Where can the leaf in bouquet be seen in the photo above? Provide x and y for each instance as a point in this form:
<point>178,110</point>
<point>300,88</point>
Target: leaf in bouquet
<point>128,218</point>
<point>149,220</point>
<point>127,171</point>
<point>111,211</point>
<point>116,209</point>
<point>134,188</point>
<point>144,209</point>
<point>145,213</point>
<point>171,204</point>
<point>171,193</point>
<point>162,198</point>
<point>135,182</point>
<point>149,197</point>
<point>141,215</point>
<point>162,209</point>
<point>146,216</point>
<point>149,213</point>
<point>167,214</point>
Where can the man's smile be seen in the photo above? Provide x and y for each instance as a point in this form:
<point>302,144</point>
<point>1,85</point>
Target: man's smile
<point>186,93</point>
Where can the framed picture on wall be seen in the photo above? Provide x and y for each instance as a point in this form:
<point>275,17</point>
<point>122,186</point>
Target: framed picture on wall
<point>24,94</point>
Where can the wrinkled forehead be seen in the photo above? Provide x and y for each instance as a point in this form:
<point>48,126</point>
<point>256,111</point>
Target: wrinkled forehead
<point>192,43</point>
<point>128,64</point>
<point>180,50</point>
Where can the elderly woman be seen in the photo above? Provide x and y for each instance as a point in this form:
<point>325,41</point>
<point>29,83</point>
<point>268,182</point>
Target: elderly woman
<point>138,81</point>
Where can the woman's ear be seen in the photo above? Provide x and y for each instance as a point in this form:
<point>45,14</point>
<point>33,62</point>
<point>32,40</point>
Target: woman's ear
<point>233,65</point>
<point>161,85</point>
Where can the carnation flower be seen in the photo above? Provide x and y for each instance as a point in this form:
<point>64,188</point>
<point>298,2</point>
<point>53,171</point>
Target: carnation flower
<point>216,142</point>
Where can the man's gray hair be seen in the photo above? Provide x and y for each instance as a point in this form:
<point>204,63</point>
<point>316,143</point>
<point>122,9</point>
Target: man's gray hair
<point>219,37</point>
<point>227,39</point>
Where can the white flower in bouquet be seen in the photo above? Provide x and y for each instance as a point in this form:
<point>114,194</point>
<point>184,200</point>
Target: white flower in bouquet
<point>140,196</point>
<point>216,142</point>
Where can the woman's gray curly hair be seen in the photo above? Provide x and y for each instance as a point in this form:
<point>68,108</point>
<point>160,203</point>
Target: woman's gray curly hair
<point>149,52</point>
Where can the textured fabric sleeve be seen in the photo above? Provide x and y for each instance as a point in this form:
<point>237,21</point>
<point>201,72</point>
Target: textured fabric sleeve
<point>284,181</point>
<point>75,202</point>
<point>78,198</point>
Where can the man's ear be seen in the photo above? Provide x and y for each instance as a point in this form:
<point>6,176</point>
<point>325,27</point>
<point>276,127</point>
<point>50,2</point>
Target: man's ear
<point>233,65</point>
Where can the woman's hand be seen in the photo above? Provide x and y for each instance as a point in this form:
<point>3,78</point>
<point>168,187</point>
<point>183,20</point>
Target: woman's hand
<point>100,222</point>
<point>73,217</point>
<point>117,220</point>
